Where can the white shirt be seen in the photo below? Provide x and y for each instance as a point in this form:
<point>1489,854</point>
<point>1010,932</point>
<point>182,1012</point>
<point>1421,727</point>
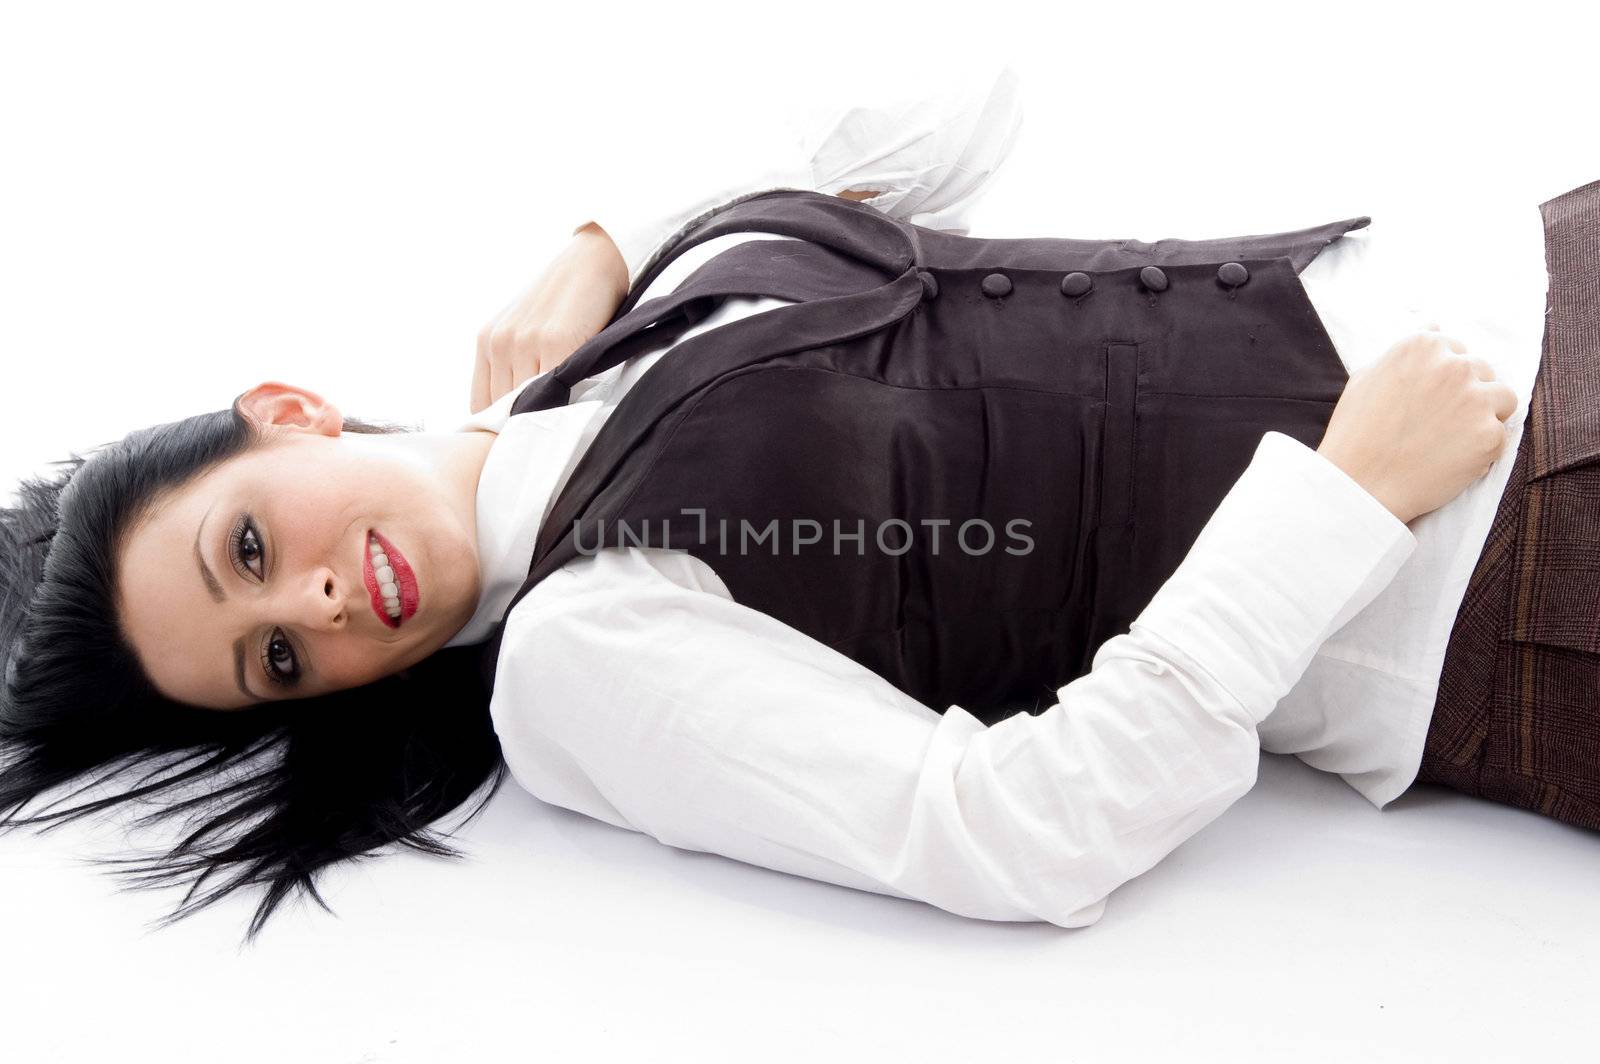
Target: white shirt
<point>1306,618</point>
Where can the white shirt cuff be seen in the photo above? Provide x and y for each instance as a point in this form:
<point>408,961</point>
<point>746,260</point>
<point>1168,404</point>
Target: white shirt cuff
<point>1301,549</point>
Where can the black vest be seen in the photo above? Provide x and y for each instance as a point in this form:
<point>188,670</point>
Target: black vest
<point>964,463</point>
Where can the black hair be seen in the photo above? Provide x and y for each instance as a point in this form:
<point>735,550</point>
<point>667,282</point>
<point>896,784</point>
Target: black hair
<point>281,789</point>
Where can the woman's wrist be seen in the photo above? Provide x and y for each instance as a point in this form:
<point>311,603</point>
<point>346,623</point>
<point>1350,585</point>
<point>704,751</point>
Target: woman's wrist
<point>606,256</point>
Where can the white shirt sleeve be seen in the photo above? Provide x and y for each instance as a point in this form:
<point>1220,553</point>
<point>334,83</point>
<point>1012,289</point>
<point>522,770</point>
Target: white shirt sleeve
<point>632,689</point>
<point>927,156</point>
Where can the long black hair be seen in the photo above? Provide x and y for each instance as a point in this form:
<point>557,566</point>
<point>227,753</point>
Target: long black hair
<point>272,793</point>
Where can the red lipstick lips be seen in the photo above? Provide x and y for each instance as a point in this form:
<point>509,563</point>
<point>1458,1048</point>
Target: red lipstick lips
<point>405,579</point>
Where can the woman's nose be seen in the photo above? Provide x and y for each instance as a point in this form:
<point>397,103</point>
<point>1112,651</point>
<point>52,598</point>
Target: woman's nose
<point>326,601</point>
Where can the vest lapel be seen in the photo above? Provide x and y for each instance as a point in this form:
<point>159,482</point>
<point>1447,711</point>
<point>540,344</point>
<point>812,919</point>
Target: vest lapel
<point>792,270</point>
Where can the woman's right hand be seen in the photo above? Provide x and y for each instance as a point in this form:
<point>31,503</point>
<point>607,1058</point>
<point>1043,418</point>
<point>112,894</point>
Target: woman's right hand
<point>570,302</point>
<point>1420,424</point>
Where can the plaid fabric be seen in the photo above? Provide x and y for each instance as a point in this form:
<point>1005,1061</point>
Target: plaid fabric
<point>1517,718</point>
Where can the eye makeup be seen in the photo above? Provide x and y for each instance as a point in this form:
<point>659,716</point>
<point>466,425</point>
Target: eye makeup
<point>279,662</point>
<point>243,538</point>
<point>278,648</point>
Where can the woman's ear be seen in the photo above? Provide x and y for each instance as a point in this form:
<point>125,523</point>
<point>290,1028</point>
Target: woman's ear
<point>285,406</point>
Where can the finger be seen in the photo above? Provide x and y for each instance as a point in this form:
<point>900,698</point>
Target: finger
<point>1445,339</point>
<point>524,361</point>
<point>1436,341</point>
<point>1504,400</point>
<point>557,347</point>
<point>1484,371</point>
<point>1433,327</point>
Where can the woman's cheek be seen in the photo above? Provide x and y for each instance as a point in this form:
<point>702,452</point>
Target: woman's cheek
<point>349,664</point>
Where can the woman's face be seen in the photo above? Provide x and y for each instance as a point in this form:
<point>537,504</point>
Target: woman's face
<point>256,580</point>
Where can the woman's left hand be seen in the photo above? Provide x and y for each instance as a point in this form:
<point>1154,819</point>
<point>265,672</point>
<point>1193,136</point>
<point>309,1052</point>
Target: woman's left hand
<point>570,302</point>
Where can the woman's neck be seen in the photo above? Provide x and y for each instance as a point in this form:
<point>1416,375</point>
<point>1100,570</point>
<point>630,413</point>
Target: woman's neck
<point>455,459</point>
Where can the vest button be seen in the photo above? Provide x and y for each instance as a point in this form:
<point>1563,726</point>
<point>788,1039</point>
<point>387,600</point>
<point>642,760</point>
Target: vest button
<point>930,284</point>
<point>1233,274</point>
<point>1076,284</point>
<point>996,285</point>
<point>1153,278</point>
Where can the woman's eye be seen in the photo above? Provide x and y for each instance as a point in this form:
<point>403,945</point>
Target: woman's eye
<point>279,660</point>
<point>245,547</point>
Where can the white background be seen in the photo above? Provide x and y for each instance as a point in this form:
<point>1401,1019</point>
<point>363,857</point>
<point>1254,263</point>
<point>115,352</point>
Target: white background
<point>195,198</point>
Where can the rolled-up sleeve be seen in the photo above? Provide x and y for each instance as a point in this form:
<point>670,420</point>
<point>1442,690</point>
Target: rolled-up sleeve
<point>632,689</point>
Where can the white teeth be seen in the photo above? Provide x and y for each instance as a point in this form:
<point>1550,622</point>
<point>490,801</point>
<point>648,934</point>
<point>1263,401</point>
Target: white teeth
<point>387,587</point>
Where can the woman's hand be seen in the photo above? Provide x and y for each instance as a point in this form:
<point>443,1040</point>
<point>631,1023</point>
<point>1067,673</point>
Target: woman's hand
<point>1420,424</point>
<point>569,303</point>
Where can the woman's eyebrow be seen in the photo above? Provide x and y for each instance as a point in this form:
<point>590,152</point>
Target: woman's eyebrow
<point>238,671</point>
<point>213,587</point>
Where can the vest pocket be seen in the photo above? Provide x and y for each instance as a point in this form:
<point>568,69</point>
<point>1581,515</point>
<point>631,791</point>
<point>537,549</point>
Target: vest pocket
<point>1555,577</point>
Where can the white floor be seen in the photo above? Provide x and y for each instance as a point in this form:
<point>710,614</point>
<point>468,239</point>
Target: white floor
<point>1303,922</point>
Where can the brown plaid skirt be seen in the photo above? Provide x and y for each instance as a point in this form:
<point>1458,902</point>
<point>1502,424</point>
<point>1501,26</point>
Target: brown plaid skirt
<point>1517,717</point>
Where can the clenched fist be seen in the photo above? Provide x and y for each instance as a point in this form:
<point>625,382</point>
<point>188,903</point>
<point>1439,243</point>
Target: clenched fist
<point>568,304</point>
<point>1420,424</point>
